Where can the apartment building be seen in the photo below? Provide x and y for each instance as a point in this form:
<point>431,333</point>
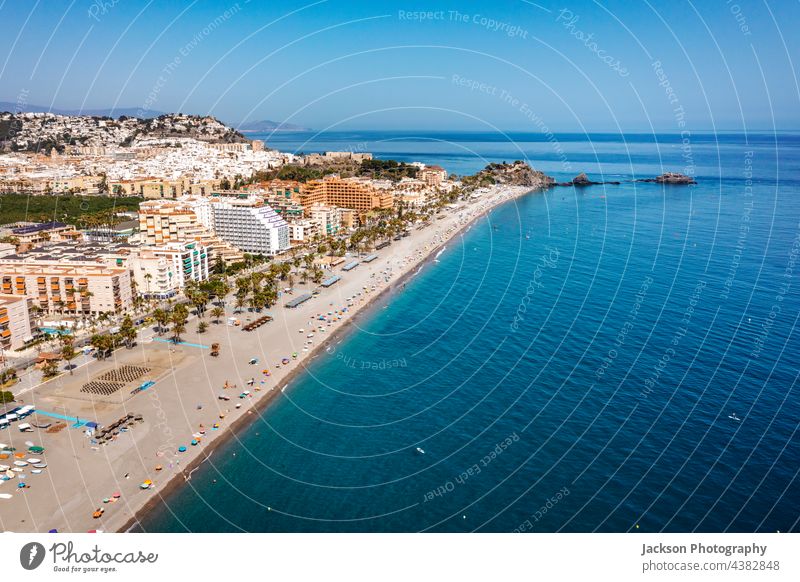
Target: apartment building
<point>86,184</point>
<point>433,175</point>
<point>67,288</point>
<point>161,222</point>
<point>164,271</point>
<point>31,234</point>
<point>159,189</point>
<point>250,225</point>
<point>358,195</point>
<point>303,230</point>
<point>327,218</point>
<point>16,321</point>
<point>187,219</point>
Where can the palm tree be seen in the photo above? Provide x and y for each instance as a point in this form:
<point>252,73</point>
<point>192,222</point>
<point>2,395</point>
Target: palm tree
<point>179,317</point>
<point>217,312</point>
<point>127,331</point>
<point>102,343</point>
<point>68,351</point>
<point>162,317</point>
<point>199,299</point>
<point>177,330</point>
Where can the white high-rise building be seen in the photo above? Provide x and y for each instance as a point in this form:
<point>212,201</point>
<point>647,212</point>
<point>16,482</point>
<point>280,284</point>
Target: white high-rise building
<point>250,225</point>
<point>163,271</point>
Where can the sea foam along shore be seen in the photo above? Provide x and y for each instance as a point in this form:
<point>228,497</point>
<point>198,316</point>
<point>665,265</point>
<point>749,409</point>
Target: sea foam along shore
<point>425,244</point>
<point>184,397</point>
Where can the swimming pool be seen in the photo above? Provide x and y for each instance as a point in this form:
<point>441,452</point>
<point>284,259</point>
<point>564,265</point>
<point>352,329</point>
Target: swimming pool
<point>55,331</point>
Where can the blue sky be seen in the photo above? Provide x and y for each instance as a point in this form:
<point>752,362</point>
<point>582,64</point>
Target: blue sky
<point>514,64</point>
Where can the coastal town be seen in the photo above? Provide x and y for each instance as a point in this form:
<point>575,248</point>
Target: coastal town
<point>181,277</point>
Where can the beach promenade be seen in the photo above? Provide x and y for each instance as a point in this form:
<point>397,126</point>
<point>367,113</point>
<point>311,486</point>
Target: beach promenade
<point>183,406</point>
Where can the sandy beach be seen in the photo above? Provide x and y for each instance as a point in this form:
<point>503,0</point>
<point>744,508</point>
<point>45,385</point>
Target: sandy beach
<point>183,405</point>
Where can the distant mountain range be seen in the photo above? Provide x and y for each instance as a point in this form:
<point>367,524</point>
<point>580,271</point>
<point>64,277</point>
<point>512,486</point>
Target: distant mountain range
<point>263,126</point>
<point>116,112</point>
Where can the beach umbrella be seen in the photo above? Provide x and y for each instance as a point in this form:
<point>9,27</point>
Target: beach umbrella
<point>21,485</point>
<point>53,531</point>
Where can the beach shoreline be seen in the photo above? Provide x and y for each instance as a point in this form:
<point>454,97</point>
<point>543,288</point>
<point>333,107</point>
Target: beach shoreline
<point>80,474</point>
<point>259,406</point>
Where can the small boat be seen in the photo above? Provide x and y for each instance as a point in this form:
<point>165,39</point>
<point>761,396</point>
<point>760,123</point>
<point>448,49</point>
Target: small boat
<point>734,417</point>
<point>41,465</point>
<point>36,471</point>
<point>33,461</point>
<point>20,463</point>
<point>420,451</point>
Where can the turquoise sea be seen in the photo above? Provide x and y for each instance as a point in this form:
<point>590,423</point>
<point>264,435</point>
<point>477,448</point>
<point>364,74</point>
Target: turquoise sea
<point>611,358</point>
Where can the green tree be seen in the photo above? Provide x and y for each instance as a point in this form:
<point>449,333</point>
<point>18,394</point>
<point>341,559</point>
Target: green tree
<point>127,331</point>
<point>50,369</point>
<point>103,343</point>
<point>217,312</point>
<point>68,351</point>
<point>180,315</point>
<point>162,318</point>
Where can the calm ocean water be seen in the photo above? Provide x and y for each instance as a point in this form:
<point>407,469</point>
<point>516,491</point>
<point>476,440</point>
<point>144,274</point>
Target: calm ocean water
<point>572,363</point>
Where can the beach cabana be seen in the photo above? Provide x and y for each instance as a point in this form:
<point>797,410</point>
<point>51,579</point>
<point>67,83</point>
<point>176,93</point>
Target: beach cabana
<point>369,258</point>
<point>331,281</point>
<point>350,266</point>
